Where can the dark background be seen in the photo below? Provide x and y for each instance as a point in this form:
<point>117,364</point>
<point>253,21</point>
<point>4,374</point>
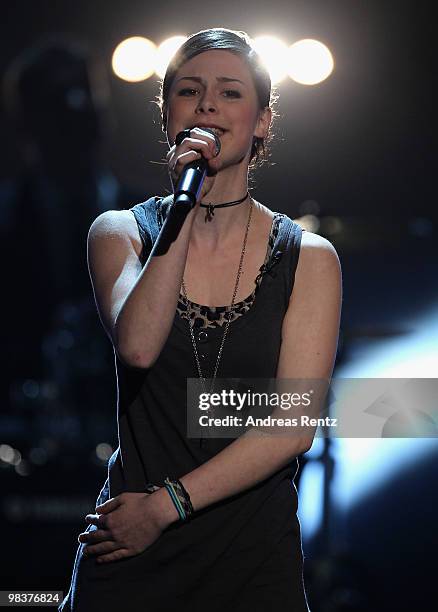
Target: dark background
<point>356,150</point>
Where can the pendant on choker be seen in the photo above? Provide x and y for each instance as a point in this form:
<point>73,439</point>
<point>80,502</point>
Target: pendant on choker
<point>209,213</point>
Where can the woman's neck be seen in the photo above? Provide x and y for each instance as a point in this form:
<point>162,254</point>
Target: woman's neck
<point>227,222</point>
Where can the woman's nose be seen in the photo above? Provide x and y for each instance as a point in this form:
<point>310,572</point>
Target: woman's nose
<point>206,104</point>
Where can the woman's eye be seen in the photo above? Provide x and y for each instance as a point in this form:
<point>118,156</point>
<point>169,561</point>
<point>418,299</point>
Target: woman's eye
<point>232,93</point>
<point>187,91</point>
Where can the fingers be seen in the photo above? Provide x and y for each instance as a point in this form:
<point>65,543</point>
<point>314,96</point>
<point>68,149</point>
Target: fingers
<point>101,548</point>
<point>114,556</point>
<point>177,164</point>
<point>109,505</point>
<point>200,144</point>
<point>100,542</point>
<point>205,136</point>
<point>183,158</point>
<point>97,519</point>
<point>212,138</point>
<point>95,536</point>
<point>194,146</point>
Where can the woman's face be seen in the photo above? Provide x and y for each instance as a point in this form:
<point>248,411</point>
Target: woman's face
<point>216,88</point>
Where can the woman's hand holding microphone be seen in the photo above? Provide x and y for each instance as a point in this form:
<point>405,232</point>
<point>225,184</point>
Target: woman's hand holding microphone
<point>191,146</point>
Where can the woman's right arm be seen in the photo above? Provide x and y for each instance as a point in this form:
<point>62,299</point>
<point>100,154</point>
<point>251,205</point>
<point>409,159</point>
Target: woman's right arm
<point>136,305</point>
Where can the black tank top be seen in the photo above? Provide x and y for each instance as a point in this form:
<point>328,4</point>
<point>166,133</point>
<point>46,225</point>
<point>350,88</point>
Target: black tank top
<point>152,403</point>
<point>244,552</point>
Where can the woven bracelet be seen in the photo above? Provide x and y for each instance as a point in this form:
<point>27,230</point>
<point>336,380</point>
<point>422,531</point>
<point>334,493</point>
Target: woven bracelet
<point>180,498</point>
<point>184,496</point>
<point>176,501</point>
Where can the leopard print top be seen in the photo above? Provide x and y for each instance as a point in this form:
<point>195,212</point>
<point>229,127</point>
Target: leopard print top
<point>217,316</point>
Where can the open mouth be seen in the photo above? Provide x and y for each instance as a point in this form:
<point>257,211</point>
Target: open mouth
<point>216,130</point>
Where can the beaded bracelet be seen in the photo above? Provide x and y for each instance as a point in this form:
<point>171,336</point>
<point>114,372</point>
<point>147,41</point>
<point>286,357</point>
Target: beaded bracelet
<point>180,498</point>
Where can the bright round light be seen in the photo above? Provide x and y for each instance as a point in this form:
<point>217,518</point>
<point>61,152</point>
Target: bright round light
<point>7,453</point>
<point>310,62</point>
<point>165,52</point>
<point>104,451</point>
<point>274,54</point>
<point>134,59</point>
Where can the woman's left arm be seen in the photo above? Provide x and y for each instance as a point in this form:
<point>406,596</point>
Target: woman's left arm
<point>308,349</point>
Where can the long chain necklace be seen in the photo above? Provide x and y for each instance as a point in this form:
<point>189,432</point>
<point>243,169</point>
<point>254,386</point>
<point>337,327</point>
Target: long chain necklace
<point>188,309</point>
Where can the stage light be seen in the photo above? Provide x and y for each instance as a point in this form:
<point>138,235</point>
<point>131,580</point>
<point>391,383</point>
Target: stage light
<point>310,223</point>
<point>7,453</point>
<point>310,62</point>
<point>274,54</point>
<point>38,455</point>
<point>104,451</point>
<point>165,52</point>
<point>22,468</point>
<point>134,59</point>
<point>311,494</point>
<point>366,464</point>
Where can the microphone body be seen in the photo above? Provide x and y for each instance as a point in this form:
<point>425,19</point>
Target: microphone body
<point>189,185</point>
<point>185,195</point>
<point>192,177</point>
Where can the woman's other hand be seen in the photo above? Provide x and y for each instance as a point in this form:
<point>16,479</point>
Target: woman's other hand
<point>126,525</point>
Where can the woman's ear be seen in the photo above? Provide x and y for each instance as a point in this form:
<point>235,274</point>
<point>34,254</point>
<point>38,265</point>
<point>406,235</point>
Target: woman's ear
<point>263,123</point>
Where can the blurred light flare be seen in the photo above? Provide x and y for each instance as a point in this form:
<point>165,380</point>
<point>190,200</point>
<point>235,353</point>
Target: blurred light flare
<point>307,61</point>
<point>38,455</point>
<point>310,223</point>
<point>6,453</point>
<point>104,451</point>
<point>310,62</point>
<point>23,468</point>
<point>311,497</point>
<point>274,54</point>
<point>363,465</point>
<point>165,52</point>
<point>134,59</point>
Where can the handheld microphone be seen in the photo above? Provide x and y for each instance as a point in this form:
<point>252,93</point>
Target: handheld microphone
<point>192,177</point>
<point>185,195</point>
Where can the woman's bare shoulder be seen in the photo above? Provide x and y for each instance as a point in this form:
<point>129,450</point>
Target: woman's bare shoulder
<point>318,258</point>
<point>116,225</point>
<point>315,242</point>
<point>263,210</point>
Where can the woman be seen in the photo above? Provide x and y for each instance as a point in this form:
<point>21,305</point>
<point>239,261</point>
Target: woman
<point>205,523</point>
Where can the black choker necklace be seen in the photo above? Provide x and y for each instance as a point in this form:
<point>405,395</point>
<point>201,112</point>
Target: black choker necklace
<point>210,207</point>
